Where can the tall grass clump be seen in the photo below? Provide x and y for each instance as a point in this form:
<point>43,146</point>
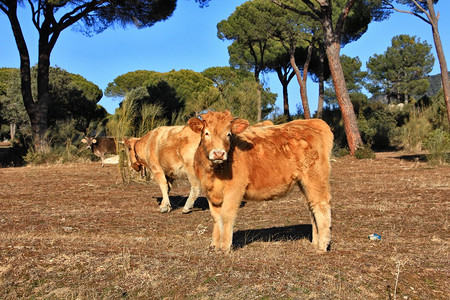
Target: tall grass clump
<point>133,119</point>
<point>120,126</point>
<point>438,145</point>
<point>428,129</point>
<point>414,132</point>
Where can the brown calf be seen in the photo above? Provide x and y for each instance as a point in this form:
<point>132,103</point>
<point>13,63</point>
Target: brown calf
<point>101,146</point>
<point>168,152</point>
<point>261,163</point>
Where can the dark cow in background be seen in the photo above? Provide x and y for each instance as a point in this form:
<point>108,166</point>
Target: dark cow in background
<point>101,146</point>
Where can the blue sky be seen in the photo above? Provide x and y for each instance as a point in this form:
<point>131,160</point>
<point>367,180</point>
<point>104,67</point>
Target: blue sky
<point>188,40</point>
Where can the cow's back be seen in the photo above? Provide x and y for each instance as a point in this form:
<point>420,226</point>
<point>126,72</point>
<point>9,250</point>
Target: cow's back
<point>165,146</point>
<point>269,160</point>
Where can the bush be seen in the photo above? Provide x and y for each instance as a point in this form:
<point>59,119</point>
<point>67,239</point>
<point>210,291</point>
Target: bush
<point>438,143</point>
<point>339,152</point>
<point>59,154</point>
<point>365,153</point>
<point>377,127</point>
<point>412,135</point>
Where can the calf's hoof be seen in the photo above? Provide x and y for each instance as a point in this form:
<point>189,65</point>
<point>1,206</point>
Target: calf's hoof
<point>165,209</point>
<point>186,210</point>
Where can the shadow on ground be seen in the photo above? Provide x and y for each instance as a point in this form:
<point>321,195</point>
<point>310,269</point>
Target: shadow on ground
<point>177,202</point>
<point>243,238</point>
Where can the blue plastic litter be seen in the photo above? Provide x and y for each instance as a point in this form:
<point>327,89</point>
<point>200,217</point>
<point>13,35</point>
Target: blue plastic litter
<point>374,237</point>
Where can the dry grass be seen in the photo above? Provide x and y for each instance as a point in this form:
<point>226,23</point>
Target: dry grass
<point>75,231</point>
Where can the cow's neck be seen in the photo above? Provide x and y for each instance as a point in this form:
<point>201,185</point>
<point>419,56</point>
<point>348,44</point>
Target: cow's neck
<point>222,171</point>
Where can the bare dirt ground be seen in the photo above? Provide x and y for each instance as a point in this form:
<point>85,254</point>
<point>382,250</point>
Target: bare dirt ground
<point>74,231</point>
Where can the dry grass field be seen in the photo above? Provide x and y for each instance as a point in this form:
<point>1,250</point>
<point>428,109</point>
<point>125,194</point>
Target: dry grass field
<point>74,231</point>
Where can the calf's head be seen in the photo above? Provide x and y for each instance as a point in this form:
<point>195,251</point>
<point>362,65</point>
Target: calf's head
<point>217,130</point>
<point>134,162</point>
<point>89,141</point>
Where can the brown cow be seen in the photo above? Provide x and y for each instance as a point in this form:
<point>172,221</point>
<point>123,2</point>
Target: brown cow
<point>261,163</point>
<point>101,146</point>
<point>168,152</point>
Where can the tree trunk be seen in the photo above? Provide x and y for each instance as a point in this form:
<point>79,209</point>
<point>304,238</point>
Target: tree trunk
<point>25,69</point>
<point>258,112</point>
<point>321,82</point>
<point>39,123</point>
<point>258,102</point>
<point>302,84</point>
<point>285,78</point>
<point>12,130</point>
<point>321,98</point>
<point>285,96</point>
<point>346,106</point>
<point>441,56</point>
<point>332,49</point>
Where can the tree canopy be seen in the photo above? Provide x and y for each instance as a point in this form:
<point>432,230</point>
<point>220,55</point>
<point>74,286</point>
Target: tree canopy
<point>401,71</point>
<point>425,11</point>
<point>73,99</point>
<point>172,97</point>
<point>51,18</point>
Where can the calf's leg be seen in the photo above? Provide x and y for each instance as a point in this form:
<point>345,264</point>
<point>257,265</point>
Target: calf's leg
<point>194,193</point>
<point>318,197</point>
<point>229,213</point>
<point>160,178</point>
<point>217,227</point>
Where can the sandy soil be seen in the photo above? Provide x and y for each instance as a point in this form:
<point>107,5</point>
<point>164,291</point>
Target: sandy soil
<point>76,231</point>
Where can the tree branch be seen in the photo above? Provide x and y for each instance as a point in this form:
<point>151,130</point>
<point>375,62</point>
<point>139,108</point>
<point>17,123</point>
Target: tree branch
<point>421,8</point>
<point>343,16</point>
<point>3,8</point>
<point>391,6</point>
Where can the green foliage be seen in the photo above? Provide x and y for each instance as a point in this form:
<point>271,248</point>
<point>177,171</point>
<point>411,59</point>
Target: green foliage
<point>250,30</point>
<point>400,72</point>
<point>11,105</point>
<point>73,97</point>
<point>140,13</point>
<point>239,93</point>
<point>365,153</point>
<point>171,98</point>
<point>377,124</point>
<point>61,153</point>
<point>340,152</point>
<point>414,132</point>
<point>125,83</point>
<point>438,144</point>
<point>73,100</point>
<point>437,112</point>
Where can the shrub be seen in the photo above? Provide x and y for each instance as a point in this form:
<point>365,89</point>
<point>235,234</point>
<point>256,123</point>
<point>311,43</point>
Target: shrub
<point>365,153</point>
<point>414,132</point>
<point>438,143</point>
<point>339,152</point>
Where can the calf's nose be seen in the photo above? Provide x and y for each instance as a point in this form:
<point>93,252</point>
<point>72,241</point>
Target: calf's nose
<point>218,154</point>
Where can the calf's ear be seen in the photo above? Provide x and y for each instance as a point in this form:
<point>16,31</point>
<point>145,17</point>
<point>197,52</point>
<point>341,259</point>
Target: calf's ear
<point>84,141</point>
<point>196,124</point>
<point>239,125</point>
<point>94,141</point>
